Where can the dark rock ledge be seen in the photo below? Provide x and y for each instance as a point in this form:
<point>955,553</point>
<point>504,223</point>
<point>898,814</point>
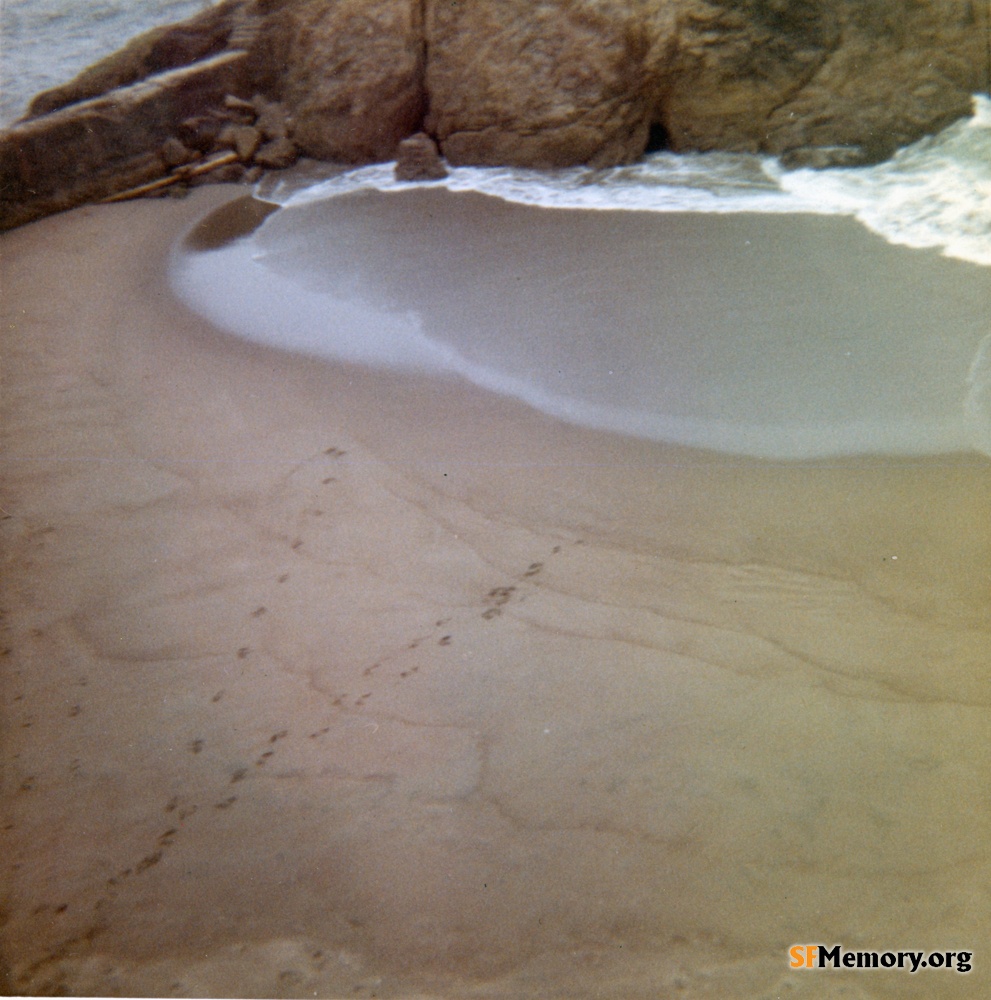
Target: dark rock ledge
<point>249,85</point>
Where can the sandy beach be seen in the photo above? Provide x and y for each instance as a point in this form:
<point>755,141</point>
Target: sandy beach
<point>320,681</point>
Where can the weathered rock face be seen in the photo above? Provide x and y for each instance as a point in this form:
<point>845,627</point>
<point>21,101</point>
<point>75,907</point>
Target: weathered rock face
<point>93,149</point>
<point>155,51</point>
<point>547,83</point>
<point>780,75</point>
<point>555,82</point>
<point>538,84</point>
<point>350,73</point>
<point>730,65</point>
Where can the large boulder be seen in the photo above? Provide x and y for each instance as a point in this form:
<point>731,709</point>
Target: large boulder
<point>730,64</point>
<point>350,74</point>
<point>539,84</point>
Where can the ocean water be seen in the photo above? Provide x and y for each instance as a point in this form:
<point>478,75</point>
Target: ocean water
<point>715,300</point>
<point>44,43</point>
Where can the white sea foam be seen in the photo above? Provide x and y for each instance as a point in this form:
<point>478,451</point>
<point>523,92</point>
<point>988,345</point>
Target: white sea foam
<point>934,193</point>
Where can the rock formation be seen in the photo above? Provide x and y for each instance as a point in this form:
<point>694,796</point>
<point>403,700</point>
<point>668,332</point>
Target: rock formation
<point>784,75</point>
<point>418,159</point>
<point>518,82</point>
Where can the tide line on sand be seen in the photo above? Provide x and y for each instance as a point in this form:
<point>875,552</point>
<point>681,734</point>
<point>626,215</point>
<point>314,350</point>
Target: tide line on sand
<point>777,336</point>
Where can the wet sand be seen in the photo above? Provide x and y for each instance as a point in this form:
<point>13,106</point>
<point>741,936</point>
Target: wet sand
<point>320,681</point>
<point>780,336</point>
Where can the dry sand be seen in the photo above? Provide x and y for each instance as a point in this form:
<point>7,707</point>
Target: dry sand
<point>322,682</point>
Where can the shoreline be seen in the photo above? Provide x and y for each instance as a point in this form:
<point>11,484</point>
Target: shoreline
<point>783,337</point>
<point>324,680</point>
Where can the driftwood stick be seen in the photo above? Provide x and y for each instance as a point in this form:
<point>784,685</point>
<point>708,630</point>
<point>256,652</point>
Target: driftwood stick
<point>180,173</point>
<point>143,189</point>
<point>195,169</point>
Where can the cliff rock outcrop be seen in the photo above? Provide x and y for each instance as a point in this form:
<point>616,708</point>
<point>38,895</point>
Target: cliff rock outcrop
<point>539,83</point>
<point>782,75</point>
